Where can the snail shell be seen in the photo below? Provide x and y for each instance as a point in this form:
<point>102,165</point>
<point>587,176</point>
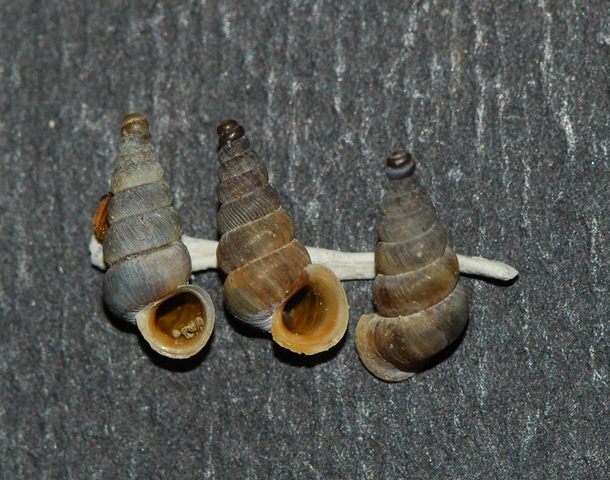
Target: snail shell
<point>421,308</point>
<point>270,283</point>
<point>148,266</point>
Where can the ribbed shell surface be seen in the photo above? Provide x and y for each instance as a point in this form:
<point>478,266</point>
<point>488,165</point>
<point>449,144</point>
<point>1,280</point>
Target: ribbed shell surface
<point>143,239</point>
<point>257,250</point>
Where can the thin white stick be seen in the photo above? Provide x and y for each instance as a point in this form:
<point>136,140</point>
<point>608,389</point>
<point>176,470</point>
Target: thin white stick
<point>346,265</point>
<point>97,253</point>
<point>482,267</point>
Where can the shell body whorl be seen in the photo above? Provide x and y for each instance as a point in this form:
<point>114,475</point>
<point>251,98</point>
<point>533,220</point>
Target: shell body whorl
<point>266,267</point>
<point>148,265</point>
<point>421,308</point>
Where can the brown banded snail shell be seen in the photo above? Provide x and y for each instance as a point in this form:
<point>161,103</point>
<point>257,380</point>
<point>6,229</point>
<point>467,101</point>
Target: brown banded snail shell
<point>421,307</point>
<point>148,265</point>
<point>271,283</point>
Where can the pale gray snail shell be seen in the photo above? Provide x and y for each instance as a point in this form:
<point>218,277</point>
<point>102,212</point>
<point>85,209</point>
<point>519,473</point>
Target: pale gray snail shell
<point>148,265</point>
<point>271,283</point>
<point>421,307</point>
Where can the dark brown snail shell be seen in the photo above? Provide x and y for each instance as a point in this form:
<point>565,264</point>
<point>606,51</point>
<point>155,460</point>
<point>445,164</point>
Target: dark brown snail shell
<point>421,307</point>
<point>270,283</point>
<point>148,265</point>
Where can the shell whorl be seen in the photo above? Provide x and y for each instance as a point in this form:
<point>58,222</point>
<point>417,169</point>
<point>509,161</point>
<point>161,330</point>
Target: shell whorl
<point>421,308</point>
<point>144,229</point>
<point>265,265</point>
<point>147,262</point>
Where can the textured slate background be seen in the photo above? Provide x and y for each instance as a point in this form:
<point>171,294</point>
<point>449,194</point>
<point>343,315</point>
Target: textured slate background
<point>507,109</point>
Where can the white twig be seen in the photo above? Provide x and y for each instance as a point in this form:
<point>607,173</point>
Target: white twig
<point>97,253</point>
<point>346,265</point>
<point>486,268</point>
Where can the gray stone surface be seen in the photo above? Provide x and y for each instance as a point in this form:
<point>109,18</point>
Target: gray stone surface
<point>506,106</point>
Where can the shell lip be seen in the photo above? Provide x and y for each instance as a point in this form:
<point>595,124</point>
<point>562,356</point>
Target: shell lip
<point>371,358</point>
<point>326,327</point>
<point>186,339</point>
